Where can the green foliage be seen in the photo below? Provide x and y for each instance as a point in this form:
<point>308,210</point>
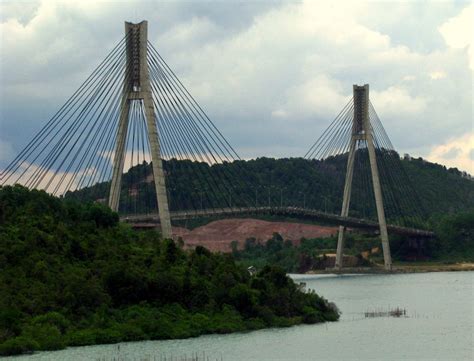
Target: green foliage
<point>453,241</point>
<point>455,237</point>
<point>71,274</point>
<point>442,190</point>
<point>48,337</point>
<point>298,182</point>
<point>276,251</point>
<point>18,345</point>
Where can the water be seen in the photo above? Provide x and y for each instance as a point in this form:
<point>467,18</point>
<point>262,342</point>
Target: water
<point>439,326</point>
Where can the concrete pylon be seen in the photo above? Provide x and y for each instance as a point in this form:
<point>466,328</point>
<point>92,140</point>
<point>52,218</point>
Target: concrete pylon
<point>137,87</point>
<point>362,131</point>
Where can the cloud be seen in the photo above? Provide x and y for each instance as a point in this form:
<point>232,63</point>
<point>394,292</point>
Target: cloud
<point>457,32</point>
<point>279,113</point>
<point>452,153</point>
<point>52,181</point>
<point>271,75</point>
<point>397,101</point>
<point>300,60</point>
<point>457,152</point>
<point>437,75</point>
<point>22,11</point>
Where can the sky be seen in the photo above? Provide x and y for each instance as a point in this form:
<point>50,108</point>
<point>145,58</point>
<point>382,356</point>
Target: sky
<point>271,75</point>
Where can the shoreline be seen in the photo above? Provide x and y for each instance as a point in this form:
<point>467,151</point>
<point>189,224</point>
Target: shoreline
<point>399,269</point>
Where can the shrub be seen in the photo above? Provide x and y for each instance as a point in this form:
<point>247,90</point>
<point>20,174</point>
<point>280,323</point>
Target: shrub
<point>47,336</point>
<point>52,319</point>
<point>243,298</point>
<point>18,345</point>
<point>82,337</point>
<point>310,315</point>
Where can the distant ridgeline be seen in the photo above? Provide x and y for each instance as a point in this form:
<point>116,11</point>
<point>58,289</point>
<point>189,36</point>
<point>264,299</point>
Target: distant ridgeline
<point>295,182</point>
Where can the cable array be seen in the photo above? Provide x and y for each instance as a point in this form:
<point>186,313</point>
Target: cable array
<point>195,151</point>
<point>72,155</point>
<point>71,150</point>
<point>330,153</point>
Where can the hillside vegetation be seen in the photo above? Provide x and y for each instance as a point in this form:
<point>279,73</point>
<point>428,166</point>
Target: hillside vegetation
<point>298,182</point>
<point>454,242</point>
<point>71,274</point>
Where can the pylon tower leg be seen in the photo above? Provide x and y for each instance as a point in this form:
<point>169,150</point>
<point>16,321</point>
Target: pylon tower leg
<point>137,87</point>
<point>119,155</point>
<point>379,202</point>
<point>362,131</point>
<point>345,203</point>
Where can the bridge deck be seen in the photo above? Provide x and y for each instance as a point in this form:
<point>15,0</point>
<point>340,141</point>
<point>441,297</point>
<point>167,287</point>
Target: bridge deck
<point>296,212</point>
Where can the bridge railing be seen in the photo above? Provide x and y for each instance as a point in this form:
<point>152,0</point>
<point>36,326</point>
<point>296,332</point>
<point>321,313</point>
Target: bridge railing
<point>298,212</point>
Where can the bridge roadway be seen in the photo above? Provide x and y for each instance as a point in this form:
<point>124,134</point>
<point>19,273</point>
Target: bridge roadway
<point>150,220</point>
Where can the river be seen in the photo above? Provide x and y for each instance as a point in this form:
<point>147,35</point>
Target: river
<point>439,325</point>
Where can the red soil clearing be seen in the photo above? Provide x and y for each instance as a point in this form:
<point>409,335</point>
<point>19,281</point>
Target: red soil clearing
<point>218,235</point>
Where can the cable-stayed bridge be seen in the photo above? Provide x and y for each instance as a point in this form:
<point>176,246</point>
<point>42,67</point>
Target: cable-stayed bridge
<point>133,137</point>
<point>150,220</point>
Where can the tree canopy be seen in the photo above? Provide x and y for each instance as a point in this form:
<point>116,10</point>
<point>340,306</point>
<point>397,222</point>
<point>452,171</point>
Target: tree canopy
<point>71,274</point>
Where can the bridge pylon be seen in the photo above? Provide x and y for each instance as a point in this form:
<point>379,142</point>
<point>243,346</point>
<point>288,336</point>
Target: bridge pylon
<point>362,131</point>
<point>137,88</point>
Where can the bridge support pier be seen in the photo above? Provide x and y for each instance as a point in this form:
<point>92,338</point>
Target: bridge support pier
<point>137,88</point>
<point>362,132</point>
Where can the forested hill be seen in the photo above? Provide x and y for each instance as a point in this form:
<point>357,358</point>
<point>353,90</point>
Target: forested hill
<point>71,274</point>
<point>442,190</point>
<point>298,182</point>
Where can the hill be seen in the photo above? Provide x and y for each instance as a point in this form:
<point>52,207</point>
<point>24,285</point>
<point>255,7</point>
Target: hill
<point>423,190</point>
<point>71,274</point>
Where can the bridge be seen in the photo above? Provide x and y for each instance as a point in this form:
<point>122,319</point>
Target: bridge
<point>133,137</point>
<point>151,220</point>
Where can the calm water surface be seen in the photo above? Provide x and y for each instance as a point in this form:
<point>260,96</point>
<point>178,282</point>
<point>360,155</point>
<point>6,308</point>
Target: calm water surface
<point>439,326</point>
